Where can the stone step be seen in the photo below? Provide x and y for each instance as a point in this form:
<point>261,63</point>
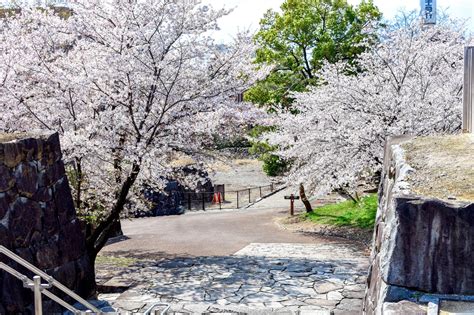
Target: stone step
<point>104,306</point>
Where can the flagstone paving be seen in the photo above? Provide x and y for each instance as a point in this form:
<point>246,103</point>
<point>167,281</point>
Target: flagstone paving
<point>233,262</point>
<point>259,279</point>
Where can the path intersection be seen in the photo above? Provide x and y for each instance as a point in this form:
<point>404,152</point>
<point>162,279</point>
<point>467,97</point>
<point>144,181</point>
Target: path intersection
<point>294,275</point>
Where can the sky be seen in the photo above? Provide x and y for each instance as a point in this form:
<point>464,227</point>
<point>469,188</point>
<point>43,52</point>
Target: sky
<point>247,13</point>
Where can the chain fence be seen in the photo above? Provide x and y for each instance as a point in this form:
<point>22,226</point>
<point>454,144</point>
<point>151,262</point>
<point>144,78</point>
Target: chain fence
<point>221,199</point>
<point>178,202</point>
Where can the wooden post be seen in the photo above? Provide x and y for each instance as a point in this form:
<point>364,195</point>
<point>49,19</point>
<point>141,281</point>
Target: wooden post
<point>237,199</point>
<point>292,199</point>
<point>468,102</point>
<point>292,205</point>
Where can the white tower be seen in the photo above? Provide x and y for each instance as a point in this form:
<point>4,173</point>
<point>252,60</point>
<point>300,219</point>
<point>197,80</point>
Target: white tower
<point>428,11</point>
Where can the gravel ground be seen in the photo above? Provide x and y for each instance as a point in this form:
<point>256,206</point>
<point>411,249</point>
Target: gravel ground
<point>239,174</point>
<point>446,161</point>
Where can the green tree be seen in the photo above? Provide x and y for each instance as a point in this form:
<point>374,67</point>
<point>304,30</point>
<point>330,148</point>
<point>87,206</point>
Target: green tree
<point>305,35</point>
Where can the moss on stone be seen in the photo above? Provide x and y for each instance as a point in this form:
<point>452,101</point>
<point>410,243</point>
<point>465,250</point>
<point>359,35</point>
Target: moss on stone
<point>16,136</point>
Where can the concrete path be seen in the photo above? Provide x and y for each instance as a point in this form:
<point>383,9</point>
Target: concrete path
<point>208,233</point>
<point>236,261</point>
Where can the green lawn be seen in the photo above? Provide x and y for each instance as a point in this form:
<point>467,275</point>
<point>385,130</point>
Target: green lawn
<point>347,213</point>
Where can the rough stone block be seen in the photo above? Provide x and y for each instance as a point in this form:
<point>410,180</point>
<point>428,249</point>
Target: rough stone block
<point>25,218</point>
<point>5,201</point>
<point>47,255</point>
<point>5,238</point>
<point>51,221</point>
<point>43,194</point>
<point>403,307</point>
<point>431,243</point>
<point>424,232</point>
<point>7,180</point>
<point>63,201</point>
<point>37,220</point>
<point>12,154</point>
<point>71,242</point>
<point>26,176</point>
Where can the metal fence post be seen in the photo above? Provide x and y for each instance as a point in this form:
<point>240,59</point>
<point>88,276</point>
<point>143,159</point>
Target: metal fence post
<point>37,292</point>
<point>260,191</point>
<point>203,202</point>
<point>468,101</point>
<point>249,196</point>
<point>237,199</point>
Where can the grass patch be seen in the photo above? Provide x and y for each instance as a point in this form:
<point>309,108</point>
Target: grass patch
<point>347,213</point>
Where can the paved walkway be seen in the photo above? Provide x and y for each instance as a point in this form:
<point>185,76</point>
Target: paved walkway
<point>237,261</point>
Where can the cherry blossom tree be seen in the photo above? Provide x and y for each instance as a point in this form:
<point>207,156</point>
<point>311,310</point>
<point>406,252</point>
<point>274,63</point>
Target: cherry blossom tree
<point>410,84</point>
<point>128,85</point>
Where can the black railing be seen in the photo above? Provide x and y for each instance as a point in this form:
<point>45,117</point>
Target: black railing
<point>222,199</point>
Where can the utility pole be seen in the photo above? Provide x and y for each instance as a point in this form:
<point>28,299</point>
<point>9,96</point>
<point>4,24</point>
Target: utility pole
<point>468,101</point>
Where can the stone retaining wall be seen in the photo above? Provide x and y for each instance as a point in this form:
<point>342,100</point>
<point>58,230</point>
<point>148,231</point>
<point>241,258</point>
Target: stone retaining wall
<point>422,244</point>
<point>37,218</point>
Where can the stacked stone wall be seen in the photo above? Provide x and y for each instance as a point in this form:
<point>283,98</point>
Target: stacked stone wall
<point>422,246</point>
<point>38,220</point>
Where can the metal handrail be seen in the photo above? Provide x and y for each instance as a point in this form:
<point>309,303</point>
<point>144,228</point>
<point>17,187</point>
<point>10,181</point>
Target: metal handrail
<point>151,308</point>
<point>271,186</point>
<point>50,282</point>
<point>38,288</point>
<point>31,284</point>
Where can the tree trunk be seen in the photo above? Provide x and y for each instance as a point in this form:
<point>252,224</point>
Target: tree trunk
<point>99,236</point>
<point>344,193</point>
<point>305,200</point>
